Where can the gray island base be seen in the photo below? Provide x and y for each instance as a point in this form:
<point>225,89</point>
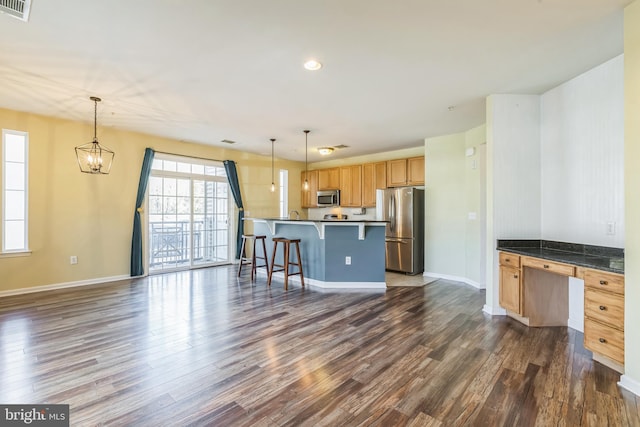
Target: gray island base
<point>335,254</point>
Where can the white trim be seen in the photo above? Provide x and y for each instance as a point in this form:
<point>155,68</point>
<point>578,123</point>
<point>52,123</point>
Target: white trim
<point>15,254</point>
<point>576,324</point>
<point>455,279</point>
<point>630,384</point>
<point>494,311</point>
<point>55,286</point>
<point>279,276</point>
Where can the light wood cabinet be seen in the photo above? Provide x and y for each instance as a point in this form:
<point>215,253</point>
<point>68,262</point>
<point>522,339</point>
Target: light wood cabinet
<point>308,197</point>
<point>511,288</point>
<point>374,176</point>
<point>351,186</point>
<point>604,314</point>
<point>329,179</point>
<point>550,266</point>
<point>415,171</point>
<point>404,172</point>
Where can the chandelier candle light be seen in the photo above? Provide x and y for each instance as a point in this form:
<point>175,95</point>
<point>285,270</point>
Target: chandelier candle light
<point>273,182</point>
<point>93,157</point>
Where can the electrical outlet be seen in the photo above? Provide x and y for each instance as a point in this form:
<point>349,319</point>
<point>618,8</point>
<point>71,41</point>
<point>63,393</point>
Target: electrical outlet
<point>347,260</point>
<point>611,228</point>
<point>73,260</point>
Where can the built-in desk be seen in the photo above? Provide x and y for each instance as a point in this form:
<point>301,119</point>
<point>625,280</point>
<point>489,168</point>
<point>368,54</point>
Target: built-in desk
<point>534,290</point>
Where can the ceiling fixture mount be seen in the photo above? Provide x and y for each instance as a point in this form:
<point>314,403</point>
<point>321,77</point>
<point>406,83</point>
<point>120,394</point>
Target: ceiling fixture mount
<point>306,163</point>
<point>273,182</point>
<point>93,157</point>
<point>312,65</point>
<point>325,151</point>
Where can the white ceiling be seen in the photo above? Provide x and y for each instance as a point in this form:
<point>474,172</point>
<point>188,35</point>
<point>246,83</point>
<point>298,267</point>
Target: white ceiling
<point>208,70</point>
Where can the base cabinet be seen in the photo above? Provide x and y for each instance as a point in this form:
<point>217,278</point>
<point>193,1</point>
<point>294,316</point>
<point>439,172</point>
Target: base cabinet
<point>511,289</point>
<point>604,314</point>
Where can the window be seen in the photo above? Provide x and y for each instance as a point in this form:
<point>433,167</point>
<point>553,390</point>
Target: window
<point>15,148</point>
<point>284,190</point>
<point>188,214</point>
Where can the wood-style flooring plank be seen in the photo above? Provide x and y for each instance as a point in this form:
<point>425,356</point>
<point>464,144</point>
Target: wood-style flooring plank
<point>206,348</point>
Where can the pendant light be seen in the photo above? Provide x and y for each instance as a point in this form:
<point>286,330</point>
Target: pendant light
<point>273,182</point>
<point>93,157</point>
<point>306,166</point>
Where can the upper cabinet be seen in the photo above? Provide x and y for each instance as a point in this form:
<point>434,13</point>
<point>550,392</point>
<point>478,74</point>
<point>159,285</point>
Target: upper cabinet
<point>351,186</point>
<point>329,179</point>
<point>404,172</point>
<point>309,199</point>
<point>374,176</point>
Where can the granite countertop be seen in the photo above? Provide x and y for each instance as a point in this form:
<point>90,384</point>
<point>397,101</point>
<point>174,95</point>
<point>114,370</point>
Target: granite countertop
<point>355,221</point>
<point>598,257</point>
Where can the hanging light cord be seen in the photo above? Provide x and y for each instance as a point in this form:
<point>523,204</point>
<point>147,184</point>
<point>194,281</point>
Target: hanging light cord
<point>95,120</point>
<point>272,163</point>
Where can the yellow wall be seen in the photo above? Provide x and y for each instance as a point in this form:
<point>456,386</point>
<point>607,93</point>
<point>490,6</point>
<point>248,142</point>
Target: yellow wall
<point>71,213</point>
<point>632,190</point>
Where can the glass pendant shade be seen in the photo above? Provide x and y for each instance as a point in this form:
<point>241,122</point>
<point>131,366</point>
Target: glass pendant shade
<point>93,157</point>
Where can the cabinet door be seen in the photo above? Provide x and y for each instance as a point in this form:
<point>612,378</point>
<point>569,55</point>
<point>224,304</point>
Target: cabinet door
<point>356,186</point>
<point>329,179</point>
<point>345,186</point>
<point>368,185</point>
<point>309,199</point>
<point>510,289</point>
<point>397,173</point>
<point>374,176</point>
<point>415,171</point>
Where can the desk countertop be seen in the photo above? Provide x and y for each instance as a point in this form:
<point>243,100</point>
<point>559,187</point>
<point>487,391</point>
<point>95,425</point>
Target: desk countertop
<point>597,257</point>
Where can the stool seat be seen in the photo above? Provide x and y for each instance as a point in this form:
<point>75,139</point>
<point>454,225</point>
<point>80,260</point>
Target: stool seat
<point>286,243</point>
<point>244,260</point>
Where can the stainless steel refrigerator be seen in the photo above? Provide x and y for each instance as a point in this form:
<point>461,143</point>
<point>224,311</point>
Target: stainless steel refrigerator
<point>404,238</point>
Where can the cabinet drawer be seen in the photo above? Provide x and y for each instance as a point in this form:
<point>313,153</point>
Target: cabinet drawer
<point>509,259</point>
<point>611,282</point>
<point>553,267</point>
<point>604,307</point>
<point>604,340</point>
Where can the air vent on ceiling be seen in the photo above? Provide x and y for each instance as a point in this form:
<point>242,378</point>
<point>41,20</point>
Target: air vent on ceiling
<point>228,141</point>
<point>340,146</point>
<point>16,8</point>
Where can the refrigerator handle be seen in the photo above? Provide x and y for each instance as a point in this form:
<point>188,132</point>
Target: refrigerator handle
<point>392,216</point>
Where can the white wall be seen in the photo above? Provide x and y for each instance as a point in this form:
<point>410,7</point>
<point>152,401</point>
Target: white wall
<point>454,242</point>
<point>513,178</point>
<point>582,157</point>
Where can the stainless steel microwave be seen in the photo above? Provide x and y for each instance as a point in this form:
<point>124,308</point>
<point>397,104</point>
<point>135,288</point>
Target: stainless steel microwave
<point>328,198</point>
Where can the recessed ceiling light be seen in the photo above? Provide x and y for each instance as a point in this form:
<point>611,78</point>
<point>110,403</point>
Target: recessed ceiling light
<point>312,65</point>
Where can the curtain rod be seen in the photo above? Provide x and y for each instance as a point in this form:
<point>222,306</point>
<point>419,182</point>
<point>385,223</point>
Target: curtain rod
<point>191,157</point>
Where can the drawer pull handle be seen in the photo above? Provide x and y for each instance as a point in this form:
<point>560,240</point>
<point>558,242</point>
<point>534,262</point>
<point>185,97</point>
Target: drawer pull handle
<point>602,307</point>
<point>603,282</point>
<point>506,259</point>
<point>602,340</point>
<point>515,276</point>
<point>546,266</point>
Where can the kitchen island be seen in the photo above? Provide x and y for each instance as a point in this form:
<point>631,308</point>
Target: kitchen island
<point>342,254</point>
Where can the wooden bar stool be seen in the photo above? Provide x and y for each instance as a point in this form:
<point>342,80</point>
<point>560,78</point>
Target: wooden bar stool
<point>244,260</point>
<point>285,267</point>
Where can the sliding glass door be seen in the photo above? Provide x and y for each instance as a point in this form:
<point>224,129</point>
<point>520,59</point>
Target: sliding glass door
<point>188,215</point>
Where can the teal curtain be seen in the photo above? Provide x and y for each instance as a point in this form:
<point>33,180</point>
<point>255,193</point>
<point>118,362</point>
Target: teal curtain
<point>232,176</point>
<point>137,264</point>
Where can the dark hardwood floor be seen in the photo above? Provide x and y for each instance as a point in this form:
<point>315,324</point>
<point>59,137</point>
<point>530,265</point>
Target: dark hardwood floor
<point>206,348</point>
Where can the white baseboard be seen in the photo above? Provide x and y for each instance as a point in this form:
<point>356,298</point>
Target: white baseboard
<point>455,279</point>
<point>494,311</point>
<point>576,324</point>
<point>279,276</point>
<point>630,384</point>
<point>63,285</point>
